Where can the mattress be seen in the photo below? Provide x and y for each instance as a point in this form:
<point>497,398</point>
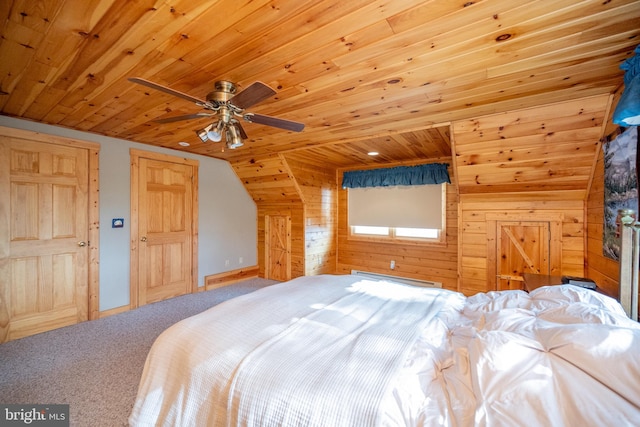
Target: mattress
<point>343,350</point>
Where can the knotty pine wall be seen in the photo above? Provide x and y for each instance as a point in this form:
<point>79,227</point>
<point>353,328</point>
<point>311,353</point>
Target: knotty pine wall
<point>273,188</point>
<point>548,156</point>
<point>529,164</point>
<point>304,192</point>
<point>419,261</point>
<point>476,210</point>
<point>317,188</point>
<point>605,271</point>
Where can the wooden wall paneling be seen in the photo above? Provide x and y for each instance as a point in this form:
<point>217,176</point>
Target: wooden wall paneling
<point>272,186</point>
<point>318,189</point>
<point>526,150</point>
<point>218,280</point>
<point>267,180</point>
<point>420,261</point>
<point>477,268</point>
<point>605,271</point>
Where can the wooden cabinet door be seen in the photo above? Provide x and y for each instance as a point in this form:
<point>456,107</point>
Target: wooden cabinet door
<point>44,255</point>
<point>165,229</point>
<point>522,247</point>
<point>278,247</point>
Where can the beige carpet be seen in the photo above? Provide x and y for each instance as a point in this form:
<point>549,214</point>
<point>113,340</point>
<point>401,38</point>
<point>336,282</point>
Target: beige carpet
<point>95,366</point>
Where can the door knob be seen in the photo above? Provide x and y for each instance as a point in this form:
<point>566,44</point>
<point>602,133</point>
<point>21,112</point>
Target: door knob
<point>82,244</point>
<point>143,239</point>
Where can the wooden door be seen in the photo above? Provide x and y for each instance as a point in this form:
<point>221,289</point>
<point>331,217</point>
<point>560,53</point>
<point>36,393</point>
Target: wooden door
<point>165,229</point>
<point>278,247</point>
<point>44,259</point>
<point>522,247</point>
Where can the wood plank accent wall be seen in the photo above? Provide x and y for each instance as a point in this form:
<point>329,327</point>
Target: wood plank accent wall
<point>605,271</point>
<point>273,188</point>
<point>528,150</point>
<point>502,166</point>
<point>319,192</point>
<point>525,164</point>
<point>476,211</point>
<point>426,262</point>
<point>268,179</point>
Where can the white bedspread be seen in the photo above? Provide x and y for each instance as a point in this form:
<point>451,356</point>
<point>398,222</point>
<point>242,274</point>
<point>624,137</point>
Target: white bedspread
<point>340,350</point>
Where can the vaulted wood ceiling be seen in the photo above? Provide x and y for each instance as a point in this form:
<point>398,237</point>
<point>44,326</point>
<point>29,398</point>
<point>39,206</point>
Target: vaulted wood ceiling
<point>362,75</point>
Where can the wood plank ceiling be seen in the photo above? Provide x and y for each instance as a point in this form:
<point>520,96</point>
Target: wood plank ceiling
<point>362,75</point>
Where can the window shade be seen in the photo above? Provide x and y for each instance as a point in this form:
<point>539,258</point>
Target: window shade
<point>416,206</point>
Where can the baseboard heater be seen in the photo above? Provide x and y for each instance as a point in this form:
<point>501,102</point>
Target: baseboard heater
<point>408,281</point>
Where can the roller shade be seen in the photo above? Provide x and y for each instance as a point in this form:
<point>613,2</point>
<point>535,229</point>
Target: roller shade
<point>415,206</point>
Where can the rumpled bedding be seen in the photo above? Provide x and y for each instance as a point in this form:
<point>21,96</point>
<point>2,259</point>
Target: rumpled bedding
<point>340,350</point>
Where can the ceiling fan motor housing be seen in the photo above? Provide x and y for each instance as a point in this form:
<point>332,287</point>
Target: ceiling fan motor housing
<point>222,93</point>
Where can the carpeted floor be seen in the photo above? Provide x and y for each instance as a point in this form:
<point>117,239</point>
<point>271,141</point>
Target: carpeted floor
<point>95,366</point>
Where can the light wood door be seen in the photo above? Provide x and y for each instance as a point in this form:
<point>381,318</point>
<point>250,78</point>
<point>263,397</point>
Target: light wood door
<point>44,254</point>
<point>522,247</point>
<point>278,247</point>
<point>164,229</point>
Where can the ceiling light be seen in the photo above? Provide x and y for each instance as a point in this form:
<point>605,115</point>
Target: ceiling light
<point>234,140</point>
<point>183,144</point>
<point>373,153</point>
<point>215,134</point>
<point>202,134</point>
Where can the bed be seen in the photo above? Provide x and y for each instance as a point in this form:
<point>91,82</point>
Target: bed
<point>340,350</point>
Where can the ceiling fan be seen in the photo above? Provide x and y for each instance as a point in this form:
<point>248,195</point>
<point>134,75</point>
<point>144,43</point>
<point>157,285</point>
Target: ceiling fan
<point>227,107</point>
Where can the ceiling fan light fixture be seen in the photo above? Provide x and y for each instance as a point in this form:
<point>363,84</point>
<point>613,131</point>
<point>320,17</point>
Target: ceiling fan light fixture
<point>202,134</point>
<point>234,140</point>
<point>215,133</point>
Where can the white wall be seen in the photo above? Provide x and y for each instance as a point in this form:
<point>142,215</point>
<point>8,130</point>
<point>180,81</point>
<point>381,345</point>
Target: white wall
<point>227,228</point>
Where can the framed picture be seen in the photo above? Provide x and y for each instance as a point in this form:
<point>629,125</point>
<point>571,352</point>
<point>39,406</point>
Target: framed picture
<point>620,185</point>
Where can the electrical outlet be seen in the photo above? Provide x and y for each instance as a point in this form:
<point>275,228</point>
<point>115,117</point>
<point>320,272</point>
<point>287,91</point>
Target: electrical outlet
<point>226,263</point>
<point>392,264</point>
<point>240,260</point>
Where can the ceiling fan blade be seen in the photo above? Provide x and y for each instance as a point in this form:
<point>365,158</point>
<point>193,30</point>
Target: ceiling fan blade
<point>255,93</point>
<point>165,89</point>
<point>185,117</point>
<point>274,121</point>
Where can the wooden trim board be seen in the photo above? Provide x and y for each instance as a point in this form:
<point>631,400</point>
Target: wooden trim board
<point>219,280</point>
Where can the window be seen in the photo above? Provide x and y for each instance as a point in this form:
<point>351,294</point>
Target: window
<point>396,233</point>
<point>401,213</point>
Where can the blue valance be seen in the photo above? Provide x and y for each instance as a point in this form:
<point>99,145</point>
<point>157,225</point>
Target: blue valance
<point>627,112</point>
<point>433,173</point>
